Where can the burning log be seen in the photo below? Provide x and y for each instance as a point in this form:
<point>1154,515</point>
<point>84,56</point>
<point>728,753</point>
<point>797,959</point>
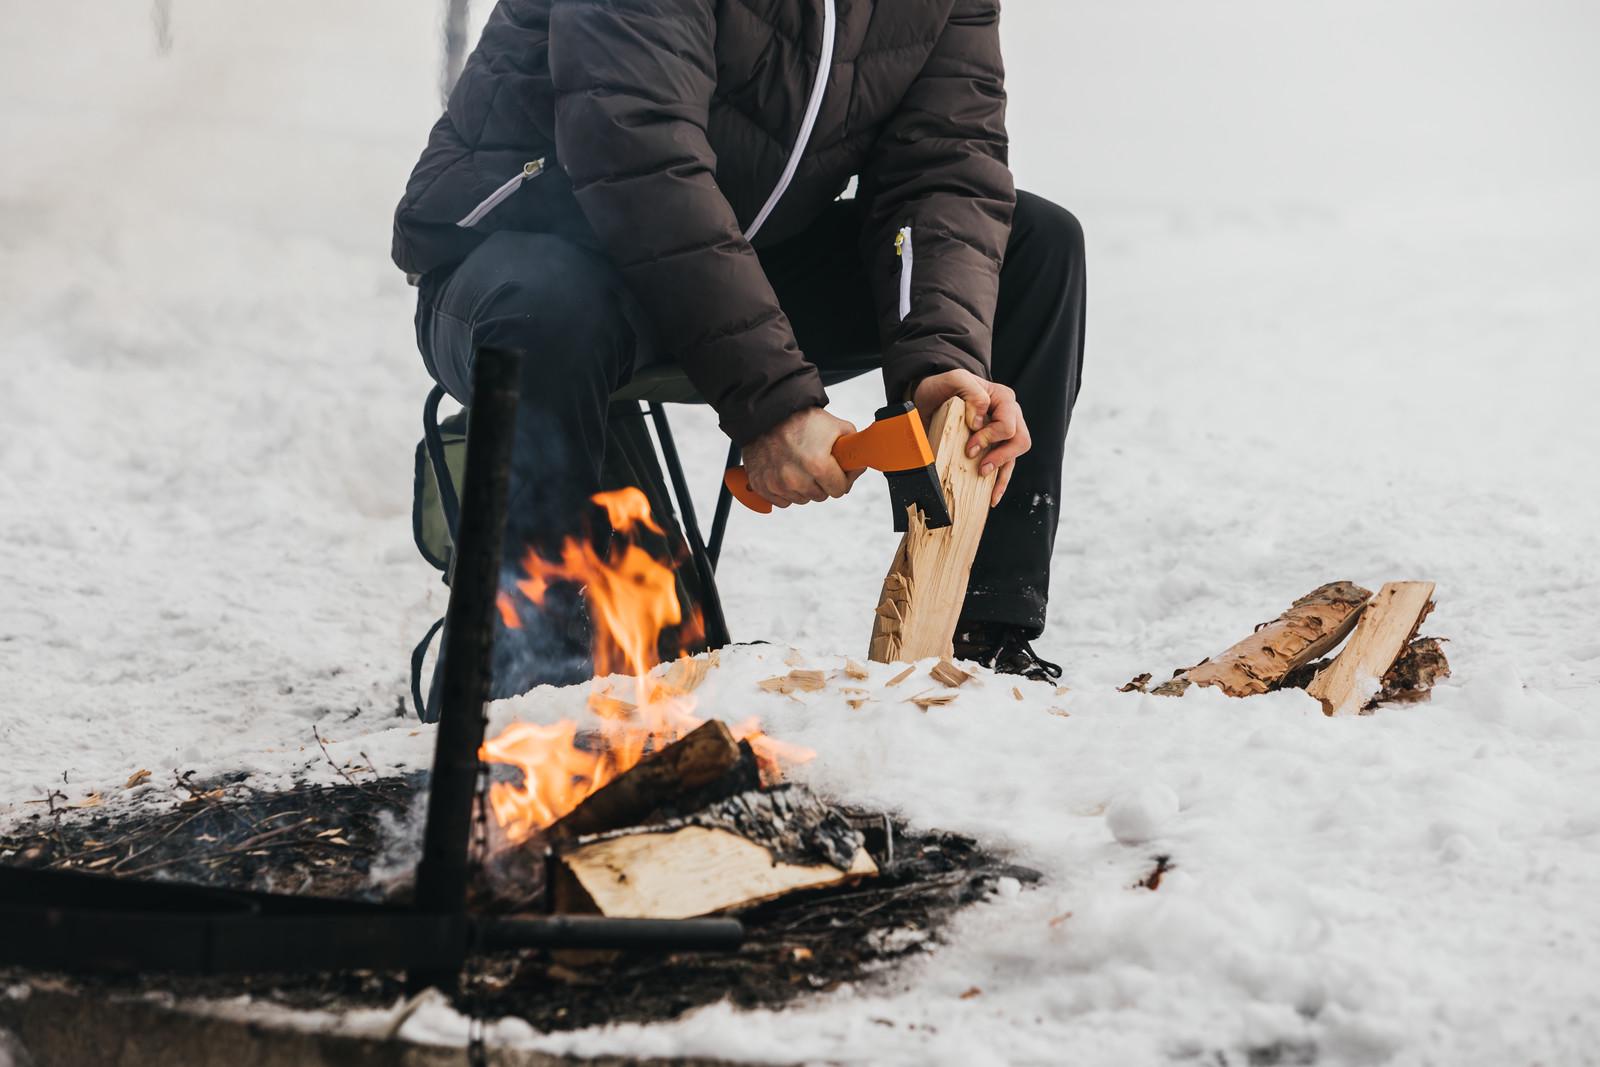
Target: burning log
<point>927,583</point>
<point>705,755</point>
<point>1350,683</point>
<point>1313,626</point>
<point>739,852</point>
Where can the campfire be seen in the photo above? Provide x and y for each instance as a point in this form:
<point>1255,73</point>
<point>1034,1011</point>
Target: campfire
<point>652,811</point>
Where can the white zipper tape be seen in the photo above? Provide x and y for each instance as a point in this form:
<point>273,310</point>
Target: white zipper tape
<point>902,247</point>
<point>819,88</point>
<point>498,197</point>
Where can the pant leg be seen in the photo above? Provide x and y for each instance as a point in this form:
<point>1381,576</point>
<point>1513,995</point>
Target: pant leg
<point>823,287</point>
<point>1038,351</point>
<point>569,314</point>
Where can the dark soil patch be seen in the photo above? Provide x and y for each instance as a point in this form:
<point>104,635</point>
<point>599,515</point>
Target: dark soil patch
<point>327,841</point>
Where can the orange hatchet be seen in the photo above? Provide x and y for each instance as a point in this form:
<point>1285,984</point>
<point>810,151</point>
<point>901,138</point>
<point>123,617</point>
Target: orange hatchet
<point>895,444</point>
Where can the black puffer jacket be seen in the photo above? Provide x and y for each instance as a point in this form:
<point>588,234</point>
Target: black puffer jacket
<point>665,126</point>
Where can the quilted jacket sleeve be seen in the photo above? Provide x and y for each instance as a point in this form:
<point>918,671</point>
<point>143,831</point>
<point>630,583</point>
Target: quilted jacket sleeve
<point>940,167</point>
<point>633,82</point>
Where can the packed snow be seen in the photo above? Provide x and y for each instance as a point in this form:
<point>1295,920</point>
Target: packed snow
<point>1345,290</point>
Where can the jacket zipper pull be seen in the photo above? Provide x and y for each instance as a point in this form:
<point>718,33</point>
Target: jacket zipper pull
<point>903,249</point>
<point>531,169</point>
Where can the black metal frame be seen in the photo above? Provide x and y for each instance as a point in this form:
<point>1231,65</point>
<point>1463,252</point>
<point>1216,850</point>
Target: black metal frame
<point>72,921</point>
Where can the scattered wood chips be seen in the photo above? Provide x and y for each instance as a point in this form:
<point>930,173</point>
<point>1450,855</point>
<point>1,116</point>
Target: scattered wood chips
<point>948,674</point>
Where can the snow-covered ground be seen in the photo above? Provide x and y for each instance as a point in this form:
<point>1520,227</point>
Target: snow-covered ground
<point>1345,295</point>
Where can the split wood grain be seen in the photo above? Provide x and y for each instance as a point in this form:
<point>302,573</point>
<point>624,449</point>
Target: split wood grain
<point>1312,627</point>
<point>689,872</point>
<point>1390,621</point>
<point>927,582</point>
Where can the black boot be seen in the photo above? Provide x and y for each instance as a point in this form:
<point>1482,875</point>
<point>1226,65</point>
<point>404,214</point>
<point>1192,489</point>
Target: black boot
<point>1005,650</point>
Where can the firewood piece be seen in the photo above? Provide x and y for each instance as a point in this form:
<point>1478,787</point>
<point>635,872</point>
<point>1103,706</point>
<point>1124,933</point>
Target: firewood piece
<point>684,873</point>
<point>1411,679</point>
<point>949,675</point>
<point>1139,684</point>
<point>796,682</point>
<point>1312,626</point>
<point>927,583</point>
<point>692,762</point>
<point>1387,625</point>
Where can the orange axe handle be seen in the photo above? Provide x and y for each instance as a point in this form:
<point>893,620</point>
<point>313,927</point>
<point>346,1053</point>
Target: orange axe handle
<point>893,443</point>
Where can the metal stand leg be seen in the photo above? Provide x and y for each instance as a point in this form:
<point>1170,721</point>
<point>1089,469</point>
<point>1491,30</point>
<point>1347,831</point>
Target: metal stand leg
<point>719,522</point>
<point>716,624</point>
<point>468,643</point>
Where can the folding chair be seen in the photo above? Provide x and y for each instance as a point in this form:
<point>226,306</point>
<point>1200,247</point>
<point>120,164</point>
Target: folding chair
<point>440,455</point>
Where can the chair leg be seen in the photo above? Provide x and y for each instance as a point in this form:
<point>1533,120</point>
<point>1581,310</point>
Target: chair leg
<point>719,522</point>
<point>711,610</point>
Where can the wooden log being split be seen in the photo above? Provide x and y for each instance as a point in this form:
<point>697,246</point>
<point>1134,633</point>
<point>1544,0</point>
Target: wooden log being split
<point>1311,628</point>
<point>927,583</point>
<point>1354,678</point>
<point>694,761</point>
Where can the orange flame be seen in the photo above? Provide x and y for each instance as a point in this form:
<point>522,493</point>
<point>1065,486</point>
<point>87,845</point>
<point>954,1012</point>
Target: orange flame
<point>632,598</point>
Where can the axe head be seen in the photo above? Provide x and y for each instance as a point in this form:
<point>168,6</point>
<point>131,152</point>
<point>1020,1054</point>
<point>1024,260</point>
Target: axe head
<point>900,449</point>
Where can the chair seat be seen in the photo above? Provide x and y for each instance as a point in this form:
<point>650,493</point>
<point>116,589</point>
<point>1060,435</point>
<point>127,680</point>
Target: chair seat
<point>666,383</point>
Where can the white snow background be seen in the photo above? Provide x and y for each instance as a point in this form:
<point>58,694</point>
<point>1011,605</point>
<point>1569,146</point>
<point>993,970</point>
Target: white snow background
<point>1345,301</point>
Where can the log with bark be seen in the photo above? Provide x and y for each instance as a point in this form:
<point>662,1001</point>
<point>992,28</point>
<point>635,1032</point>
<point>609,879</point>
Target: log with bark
<point>1354,679</point>
<point>1311,627</point>
<point>704,756</point>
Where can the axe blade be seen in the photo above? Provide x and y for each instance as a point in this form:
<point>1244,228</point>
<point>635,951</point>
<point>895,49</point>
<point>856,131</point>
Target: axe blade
<point>918,488</point>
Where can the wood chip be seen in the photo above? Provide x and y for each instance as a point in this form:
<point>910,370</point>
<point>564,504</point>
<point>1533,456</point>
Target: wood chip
<point>1016,692</point>
<point>948,674</point>
<point>335,832</point>
<point>1139,684</point>
<point>138,777</point>
<point>902,676</point>
<point>794,658</point>
<point>686,674</point>
<point>930,699</point>
<point>1059,713</point>
<point>970,993</point>
<point>795,682</point>
<point>1062,690</point>
<point>858,703</point>
<point>93,800</point>
<point>852,669</point>
<point>100,862</point>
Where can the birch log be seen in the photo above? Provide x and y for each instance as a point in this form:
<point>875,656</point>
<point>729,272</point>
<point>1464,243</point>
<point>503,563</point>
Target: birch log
<point>927,583</point>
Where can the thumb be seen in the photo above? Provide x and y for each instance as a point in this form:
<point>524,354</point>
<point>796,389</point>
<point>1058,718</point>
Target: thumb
<point>977,400</point>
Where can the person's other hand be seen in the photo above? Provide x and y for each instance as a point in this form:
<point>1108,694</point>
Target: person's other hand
<point>999,432</point>
<point>793,463</point>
